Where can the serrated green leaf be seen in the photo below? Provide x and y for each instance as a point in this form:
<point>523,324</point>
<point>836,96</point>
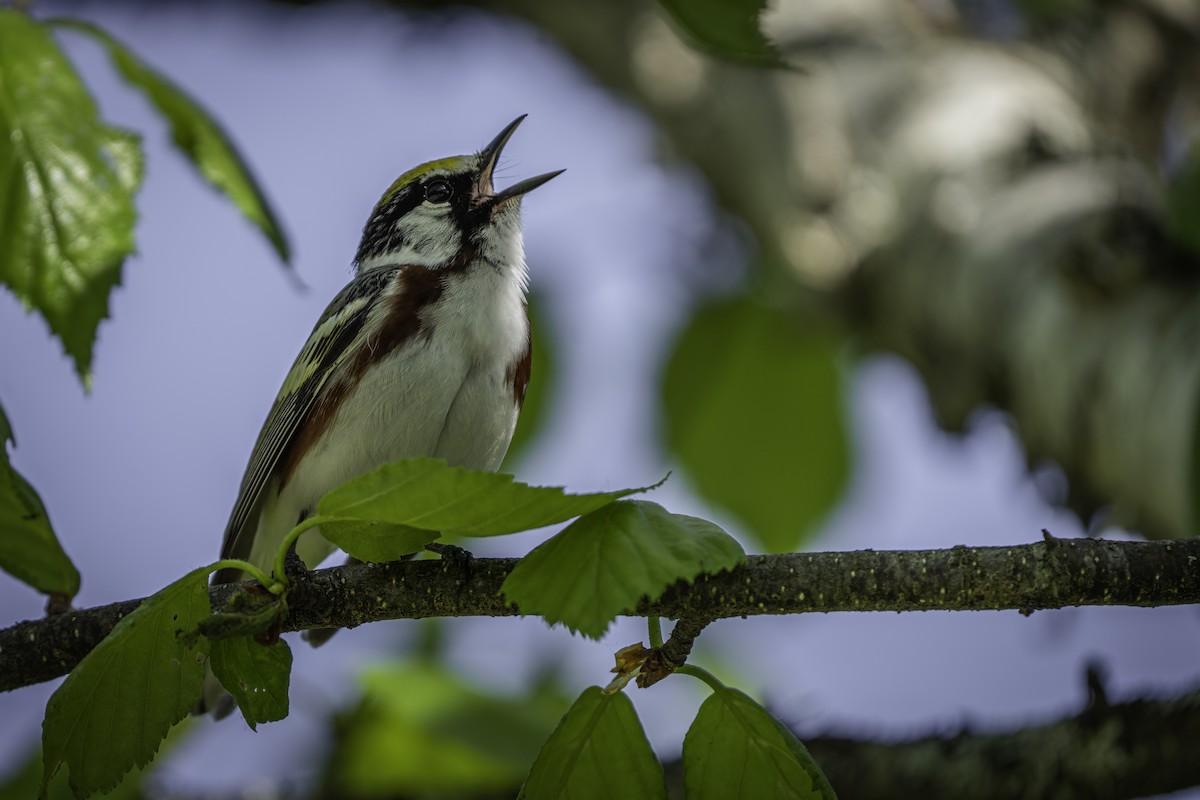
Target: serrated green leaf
<point>599,750</point>
<point>66,189</point>
<point>727,28</point>
<point>754,415</point>
<point>29,550</point>
<point>195,132</point>
<point>421,730</point>
<point>608,560</point>
<point>735,749</point>
<point>374,541</point>
<point>115,707</point>
<point>541,384</point>
<point>256,675</point>
<point>426,493</point>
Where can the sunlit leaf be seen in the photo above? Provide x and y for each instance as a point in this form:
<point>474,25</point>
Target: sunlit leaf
<point>195,132</point>
<point>257,676</point>
<point>606,561</point>
<point>754,415</point>
<point>115,707</point>
<point>421,730</point>
<point>426,493</point>
<point>735,749</point>
<point>66,189</point>
<point>29,550</point>
<point>599,750</point>
<point>728,28</point>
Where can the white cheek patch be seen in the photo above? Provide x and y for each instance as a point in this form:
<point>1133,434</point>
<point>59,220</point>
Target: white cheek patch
<point>430,236</point>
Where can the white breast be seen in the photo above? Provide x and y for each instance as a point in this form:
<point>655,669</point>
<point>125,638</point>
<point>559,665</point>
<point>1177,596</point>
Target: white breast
<point>446,395</point>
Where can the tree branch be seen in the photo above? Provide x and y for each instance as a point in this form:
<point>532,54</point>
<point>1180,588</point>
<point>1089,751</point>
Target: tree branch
<point>1133,749</point>
<point>1051,574</point>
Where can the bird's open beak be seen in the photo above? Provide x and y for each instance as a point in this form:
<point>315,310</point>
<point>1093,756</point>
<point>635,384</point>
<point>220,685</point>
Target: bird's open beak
<point>490,155</point>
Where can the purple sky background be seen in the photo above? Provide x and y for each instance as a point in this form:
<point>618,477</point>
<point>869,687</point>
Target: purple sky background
<point>329,105</point>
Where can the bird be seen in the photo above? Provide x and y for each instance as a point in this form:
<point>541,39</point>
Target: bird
<point>425,352</point>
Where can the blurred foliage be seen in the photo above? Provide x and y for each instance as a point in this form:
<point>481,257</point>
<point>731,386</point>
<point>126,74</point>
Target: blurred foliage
<point>421,731</point>
<point>754,410</point>
<point>1183,201</point>
<point>728,28</point>
<point>29,550</point>
<point>606,561</point>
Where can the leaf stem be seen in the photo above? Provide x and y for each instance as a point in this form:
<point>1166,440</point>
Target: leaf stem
<point>701,673</point>
<point>281,554</point>
<point>655,625</point>
<point>245,566</point>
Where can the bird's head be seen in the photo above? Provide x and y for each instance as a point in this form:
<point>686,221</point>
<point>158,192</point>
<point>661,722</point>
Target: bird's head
<point>442,211</point>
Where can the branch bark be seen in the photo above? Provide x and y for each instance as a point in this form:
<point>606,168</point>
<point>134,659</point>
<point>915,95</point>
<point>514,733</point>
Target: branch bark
<point>1134,749</point>
<point>1054,573</point>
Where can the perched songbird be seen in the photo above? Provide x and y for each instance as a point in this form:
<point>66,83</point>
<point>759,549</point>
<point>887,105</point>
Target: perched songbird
<point>426,352</point>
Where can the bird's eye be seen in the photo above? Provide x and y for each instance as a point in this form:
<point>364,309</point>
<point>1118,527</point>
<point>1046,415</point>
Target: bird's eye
<point>438,192</point>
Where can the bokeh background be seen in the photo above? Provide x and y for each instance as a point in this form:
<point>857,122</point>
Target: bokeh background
<point>329,103</point>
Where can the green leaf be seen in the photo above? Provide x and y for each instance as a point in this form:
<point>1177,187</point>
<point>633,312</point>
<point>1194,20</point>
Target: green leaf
<point>598,750</point>
<point>24,781</point>
<point>727,28</point>
<point>66,189</point>
<point>420,730</point>
<point>256,675</point>
<point>426,493</point>
<point>606,561</point>
<point>29,550</point>
<point>195,132</point>
<point>735,749</point>
<point>754,415</point>
<point>541,383</point>
<point>374,541</point>
<point>115,707</point>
